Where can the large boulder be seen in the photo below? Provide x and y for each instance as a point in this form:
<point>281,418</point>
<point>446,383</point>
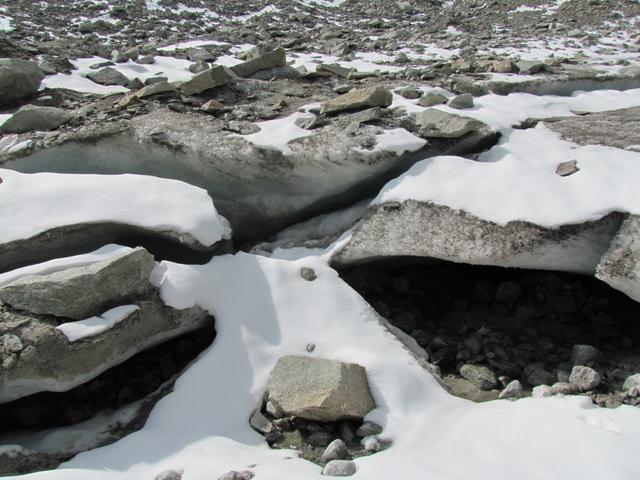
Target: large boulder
<point>19,80</point>
<point>49,361</point>
<point>320,389</point>
<point>211,78</point>
<point>441,124</point>
<point>422,229</point>
<point>108,76</point>
<point>273,59</point>
<point>33,118</point>
<point>358,100</point>
<point>620,266</point>
<point>81,292</point>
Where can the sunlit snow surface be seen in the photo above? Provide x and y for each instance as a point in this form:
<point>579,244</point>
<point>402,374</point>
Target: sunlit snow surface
<point>90,327</point>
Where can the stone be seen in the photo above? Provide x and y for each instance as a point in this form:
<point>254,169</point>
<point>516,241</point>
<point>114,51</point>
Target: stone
<point>10,344</point>
<point>632,385</point>
<point>336,450</point>
<point>482,377</point>
<point>565,169</point>
<point>436,123</point>
<point>155,89</point>
<point>319,439</point>
<point>513,390</point>
<point>198,67</point>
<point>371,444</point>
<point>358,99</point>
<point>132,53</point>
<point>146,60</point>
<point>274,409</point>
<point>541,391</point>
<point>211,78</point>
<point>260,423</point>
<point>273,59</point>
<point>584,378</point>
<point>320,389</point>
<point>213,106</point>
<point>32,118</point>
<point>368,428</point>
<point>584,354</point>
<point>530,67</point>
<point>335,69</point>
<point>19,80</point>
<point>308,274</point>
<point>508,292</point>
<point>461,102</point>
<point>108,76</point>
<point>431,99</point>
<point>82,292</point>
<point>339,468</point>
<point>235,475</point>
<point>411,93</point>
<point>563,388</point>
<point>503,65</point>
<point>169,475</point>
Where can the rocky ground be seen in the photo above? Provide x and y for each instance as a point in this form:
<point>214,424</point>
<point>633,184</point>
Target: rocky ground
<point>306,122</point>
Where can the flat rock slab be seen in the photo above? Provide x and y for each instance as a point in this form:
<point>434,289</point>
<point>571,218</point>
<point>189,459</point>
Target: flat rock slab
<point>440,124</point>
<point>358,100</point>
<point>320,389</point>
<point>82,292</point>
<point>32,118</point>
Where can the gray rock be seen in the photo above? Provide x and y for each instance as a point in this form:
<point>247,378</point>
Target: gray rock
<point>211,78</point>
<point>620,265</point>
<point>530,67</point>
<point>503,65</point>
<point>169,475</point>
<point>18,460</point>
<point>358,100</point>
<point>541,391</point>
<point>336,450</point>
<point>339,468</point>
<point>19,80</point>
<point>565,169</point>
<point>537,375</point>
<point>49,362</point>
<point>368,428</point>
<point>82,292</point>
<point>320,389</point>
<point>632,385</point>
<point>32,118</point>
<point>422,229</point>
<point>201,55</point>
<point>440,124</point>
<point>273,59</point>
<point>235,475</point>
<point>319,439</point>
<point>108,76</point>
<point>481,377</point>
<point>513,390</point>
<point>198,67</point>
<point>411,93</point>
<point>336,70</point>
<point>563,388</point>
<point>584,354</point>
<point>431,99</point>
<point>584,378</point>
<point>308,274</point>
<point>213,106</point>
<point>260,423</point>
<point>461,102</point>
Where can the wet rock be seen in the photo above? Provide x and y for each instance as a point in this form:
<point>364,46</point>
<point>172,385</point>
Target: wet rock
<point>339,468</point>
<point>108,76</point>
<point>584,354</point>
<point>82,292</point>
<point>584,378</point>
<point>513,390</point>
<point>461,387</point>
<point>19,80</point>
<point>320,389</point>
<point>431,99</point>
<point>461,102</point>
<point>482,377</point>
<point>336,450</point>
<point>358,100</point>
<point>440,124</point>
<point>211,78</point>
<point>32,118</point>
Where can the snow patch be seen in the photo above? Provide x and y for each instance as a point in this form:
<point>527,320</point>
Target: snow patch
<point>276,134</point>
<point>93,326</point>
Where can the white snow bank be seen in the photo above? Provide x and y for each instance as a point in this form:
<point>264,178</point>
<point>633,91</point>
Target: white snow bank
<point>399,140</point>
<point>65,263</point>
<point>93,326</point>
<point>516,180</point>
<point>264,310</point>
<point>5,23</point>
<point>34,203</point>
<point>276,134</point>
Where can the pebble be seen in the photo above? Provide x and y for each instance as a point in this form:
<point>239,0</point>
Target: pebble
<point>11,343</point>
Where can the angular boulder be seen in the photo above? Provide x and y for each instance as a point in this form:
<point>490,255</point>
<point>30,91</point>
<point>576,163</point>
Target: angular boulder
<point>358,100</point>
<point>273,59</point>
<point>211,78</point>
<point>320,389</point>
<point>82,292</point>
<point>33,118</point>
<point>19,79</point>
<point>108,76</point>
<point>440,124</point>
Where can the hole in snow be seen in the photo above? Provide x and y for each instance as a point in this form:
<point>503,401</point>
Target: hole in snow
<point>520,324</point>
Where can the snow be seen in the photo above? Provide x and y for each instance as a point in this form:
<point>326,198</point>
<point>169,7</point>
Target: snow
<point>399,140</point>
<point>64,263</point>
<point>93,326</point>
<point>276,134</point>
<point>262,11</point>
<point>264,310</point>
<point>191,44</point>
<point>4,117</point>
<point>5,23</point>
<point>34,203</point>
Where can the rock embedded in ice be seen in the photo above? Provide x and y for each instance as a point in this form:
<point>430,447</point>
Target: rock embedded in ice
<point>632,385</point>
<point>308,274</point>
<point>440,124</point>
<point>461,102</point>
<point>584,378</point>
<point>33,118</point>
<point>336,450</point>
<point>339,468</point>
<point>482,377</point>
<point>358,100</point>
<point>513,390</point>
<point>584,354</point>
<point>82,292</point>
<point>19,80</point>
<point>371,444</point>
<point>320,389</point>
